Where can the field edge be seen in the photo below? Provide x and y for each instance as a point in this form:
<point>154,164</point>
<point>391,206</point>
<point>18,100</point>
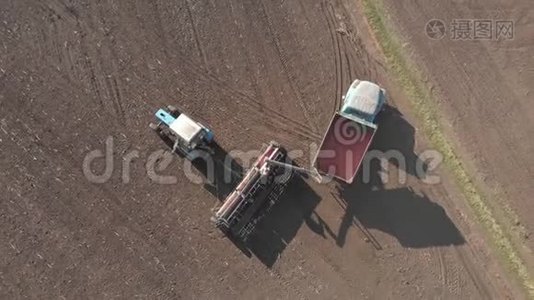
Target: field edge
<point>408,78</point>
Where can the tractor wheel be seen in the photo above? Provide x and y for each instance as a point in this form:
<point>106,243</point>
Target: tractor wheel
<point>173,110</point>
<point>153,126</point>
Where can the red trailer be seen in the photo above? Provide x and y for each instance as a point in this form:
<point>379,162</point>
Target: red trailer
<point>351,131</point>
<point>343,147</point>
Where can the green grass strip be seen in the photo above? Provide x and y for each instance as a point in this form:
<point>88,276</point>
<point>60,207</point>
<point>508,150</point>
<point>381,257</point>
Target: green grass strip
<point>424,105</point>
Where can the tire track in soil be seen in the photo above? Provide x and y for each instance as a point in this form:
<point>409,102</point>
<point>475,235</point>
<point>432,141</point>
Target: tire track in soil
<point>58,9</point>
<point>286,69</point>
<point>442,267</point>
<point>347,59</point>
<point>116,95</point>
<point>259,109</point>
<point>254,82</point>
<point>160,30</point>
<point>104,88</point>
<point>110,87</point>
<point>328,263</point>
<point>256,107</point>
<point>475,278</point>
<point>113,85</point>
<point>58,14</point>
<point>88,62</point>
<point>367,61</point>
<point>342,54</point>
<point>355,222</point>
<point>286,283</point>
<point>202,74</point>
<point>337,55</point>
<point>450,279</point>
<point>460,251</point>
<point>195,35</point>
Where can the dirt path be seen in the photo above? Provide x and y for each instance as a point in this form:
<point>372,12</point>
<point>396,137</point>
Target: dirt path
<point>75,74</point>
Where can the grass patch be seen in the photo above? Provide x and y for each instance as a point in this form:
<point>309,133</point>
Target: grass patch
<point>424,104</point>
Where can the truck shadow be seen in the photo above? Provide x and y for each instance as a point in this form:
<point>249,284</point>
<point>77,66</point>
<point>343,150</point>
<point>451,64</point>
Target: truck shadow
<point>397,134</point>
<point>413,219</point>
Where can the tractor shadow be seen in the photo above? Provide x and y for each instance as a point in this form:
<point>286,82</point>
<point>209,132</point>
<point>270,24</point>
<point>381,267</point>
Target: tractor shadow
<point>413,219</point>
<point>220,173</point>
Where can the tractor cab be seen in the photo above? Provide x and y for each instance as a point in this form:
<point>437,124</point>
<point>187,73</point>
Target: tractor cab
<point>187,134</point>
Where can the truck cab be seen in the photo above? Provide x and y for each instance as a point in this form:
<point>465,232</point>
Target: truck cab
<point>363,101</point>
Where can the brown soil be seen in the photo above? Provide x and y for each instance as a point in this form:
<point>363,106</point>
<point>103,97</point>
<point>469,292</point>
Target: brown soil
<point>74,73</point>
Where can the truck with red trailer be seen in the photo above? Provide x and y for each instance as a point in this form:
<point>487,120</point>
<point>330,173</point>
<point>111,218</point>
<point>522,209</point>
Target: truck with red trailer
<point>340,155</point>
<point>350,132</point>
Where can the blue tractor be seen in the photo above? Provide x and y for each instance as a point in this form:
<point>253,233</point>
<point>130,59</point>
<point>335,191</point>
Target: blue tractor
<point>185,134</point>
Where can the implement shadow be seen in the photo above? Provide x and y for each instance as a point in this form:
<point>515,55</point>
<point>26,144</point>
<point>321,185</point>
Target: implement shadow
<point>280,226</point>
<point>414,220</point>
